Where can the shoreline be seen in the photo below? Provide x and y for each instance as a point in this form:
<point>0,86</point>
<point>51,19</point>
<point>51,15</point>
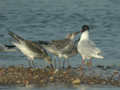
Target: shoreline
<point>25,76</point>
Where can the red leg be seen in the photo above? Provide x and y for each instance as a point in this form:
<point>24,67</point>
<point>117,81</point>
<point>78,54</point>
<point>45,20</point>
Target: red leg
<point>83,61</point>
<point>90,63</point>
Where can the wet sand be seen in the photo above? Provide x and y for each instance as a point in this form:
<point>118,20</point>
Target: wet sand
<point>26,76</point>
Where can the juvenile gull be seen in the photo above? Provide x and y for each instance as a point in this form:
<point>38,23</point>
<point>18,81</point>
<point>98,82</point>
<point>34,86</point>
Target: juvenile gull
<point>30,49</point>
<point>69,54</point>
<point>62,48</point>
<point>86,47</point>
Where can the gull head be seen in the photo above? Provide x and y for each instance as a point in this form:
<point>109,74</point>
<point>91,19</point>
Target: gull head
<point>84,28</point>
<point>84,33</point>
<point>72,35</point>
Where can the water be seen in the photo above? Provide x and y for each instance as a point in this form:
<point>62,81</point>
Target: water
<point>81,88</point>
<point>53,19</point>
<point>60,88</point>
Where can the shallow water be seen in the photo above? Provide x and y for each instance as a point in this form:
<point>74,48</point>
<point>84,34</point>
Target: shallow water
<point>82,87</point>
<point>53,19</point>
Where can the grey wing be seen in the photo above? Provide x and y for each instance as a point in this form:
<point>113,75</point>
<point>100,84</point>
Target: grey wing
<point>92,44</point>
<point>88,47</point>
<point>36,47</point>
<point>69,47</point>
<point>40,42</point>
<point>60,44</point>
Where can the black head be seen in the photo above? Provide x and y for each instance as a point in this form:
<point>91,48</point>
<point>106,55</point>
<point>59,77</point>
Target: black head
<point>84,28</point>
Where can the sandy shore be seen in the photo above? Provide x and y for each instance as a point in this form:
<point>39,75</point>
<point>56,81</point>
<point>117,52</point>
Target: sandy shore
<point>20,75</point>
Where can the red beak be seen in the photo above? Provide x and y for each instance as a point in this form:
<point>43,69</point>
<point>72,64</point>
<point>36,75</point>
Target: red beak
<point>81,31</point>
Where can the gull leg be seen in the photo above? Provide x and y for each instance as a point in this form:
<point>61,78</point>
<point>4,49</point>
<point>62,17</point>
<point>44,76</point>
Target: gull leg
<point>55,62</point>
<point>52,67</point>
<point>59,63</point>
<point>68,64</point>
<point>49,61</point>
<point>90,63</point>
<point>82,64</point>
<point>33,64</point>
<point>64,63</point>
<point>44,65</point>
<point>29,63</point>
<point>83,61</point>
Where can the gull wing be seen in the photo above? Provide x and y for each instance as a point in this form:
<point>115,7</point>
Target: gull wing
<point>88,47</point>
<point>36,47</point>
<point>60,44</point>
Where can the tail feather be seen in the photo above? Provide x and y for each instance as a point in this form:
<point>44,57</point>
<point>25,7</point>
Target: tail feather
<point>99,56</point>
<point>10,46</point>
<point>5,48</point>
<point>15,36</point>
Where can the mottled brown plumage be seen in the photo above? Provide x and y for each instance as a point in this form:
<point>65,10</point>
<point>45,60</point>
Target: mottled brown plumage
<point>63,48</point>
<point>30,49</point>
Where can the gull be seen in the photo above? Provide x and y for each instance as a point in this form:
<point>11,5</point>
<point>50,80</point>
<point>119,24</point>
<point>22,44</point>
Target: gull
<point>86,47</point>
<point>7,48</point>
<point>64,48</point>
<point>30,49</point>
<point>70,53</point>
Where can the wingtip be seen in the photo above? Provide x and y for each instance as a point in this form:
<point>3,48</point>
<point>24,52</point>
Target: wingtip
<point>11,33</point>
<point>100,57</point>
<point>15,36</point>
